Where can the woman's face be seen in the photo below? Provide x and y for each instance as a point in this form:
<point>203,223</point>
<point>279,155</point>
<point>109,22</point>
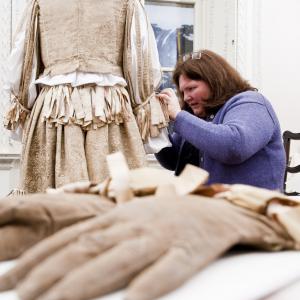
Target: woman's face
<point>195,94</point>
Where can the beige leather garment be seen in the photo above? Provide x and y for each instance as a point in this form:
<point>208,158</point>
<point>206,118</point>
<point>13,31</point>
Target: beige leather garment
<point>25,220</point>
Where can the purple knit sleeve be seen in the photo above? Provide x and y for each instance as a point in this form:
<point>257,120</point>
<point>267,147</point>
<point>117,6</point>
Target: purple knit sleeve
<point>244,129</point>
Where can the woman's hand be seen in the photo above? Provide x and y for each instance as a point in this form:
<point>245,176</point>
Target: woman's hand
<point>170,98</point>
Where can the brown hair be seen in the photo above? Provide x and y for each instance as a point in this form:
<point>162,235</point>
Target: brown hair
<point>223,80</point>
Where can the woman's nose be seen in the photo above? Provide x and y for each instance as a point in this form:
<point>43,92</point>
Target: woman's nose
<point>186,98</point>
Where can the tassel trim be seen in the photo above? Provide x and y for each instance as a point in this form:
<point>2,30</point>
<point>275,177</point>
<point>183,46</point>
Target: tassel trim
<point>151,116</point>
<point>16,115</point>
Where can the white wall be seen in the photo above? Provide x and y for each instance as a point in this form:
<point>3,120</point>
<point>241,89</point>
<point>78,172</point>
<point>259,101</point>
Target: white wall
<point>268,54</point>
<point>280,68</point>
<point>280,59</point>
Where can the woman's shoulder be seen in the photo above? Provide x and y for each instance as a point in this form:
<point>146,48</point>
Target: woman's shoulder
<point>253,98</point>
<point>248,97</point>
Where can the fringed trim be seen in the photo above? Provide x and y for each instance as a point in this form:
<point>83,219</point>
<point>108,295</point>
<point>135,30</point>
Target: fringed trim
<point>16,192</point>
<point>151,116</point>
<point>16,115</point>
<point>89,106</point>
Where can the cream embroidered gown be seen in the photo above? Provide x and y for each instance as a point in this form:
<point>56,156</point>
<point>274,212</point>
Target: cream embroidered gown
<point>82,79</point>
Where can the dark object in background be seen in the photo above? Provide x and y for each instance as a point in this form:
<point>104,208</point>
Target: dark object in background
<point>287,137</point>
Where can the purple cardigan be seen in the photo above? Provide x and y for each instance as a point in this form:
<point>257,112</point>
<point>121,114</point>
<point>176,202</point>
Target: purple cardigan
<point>242,143</point>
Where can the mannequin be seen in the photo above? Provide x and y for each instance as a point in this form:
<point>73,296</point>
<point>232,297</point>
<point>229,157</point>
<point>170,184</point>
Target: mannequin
<point>82,79</point>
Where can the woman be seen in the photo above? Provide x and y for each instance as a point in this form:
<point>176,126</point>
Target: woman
<point>226,127</point>
<point>96,65</point>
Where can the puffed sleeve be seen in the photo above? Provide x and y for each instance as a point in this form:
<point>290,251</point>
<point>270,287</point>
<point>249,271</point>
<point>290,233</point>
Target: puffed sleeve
<point>143,74</point>
<point>23,68</point>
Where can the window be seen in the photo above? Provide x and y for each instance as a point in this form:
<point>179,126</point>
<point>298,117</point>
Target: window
<point>173,25</point>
